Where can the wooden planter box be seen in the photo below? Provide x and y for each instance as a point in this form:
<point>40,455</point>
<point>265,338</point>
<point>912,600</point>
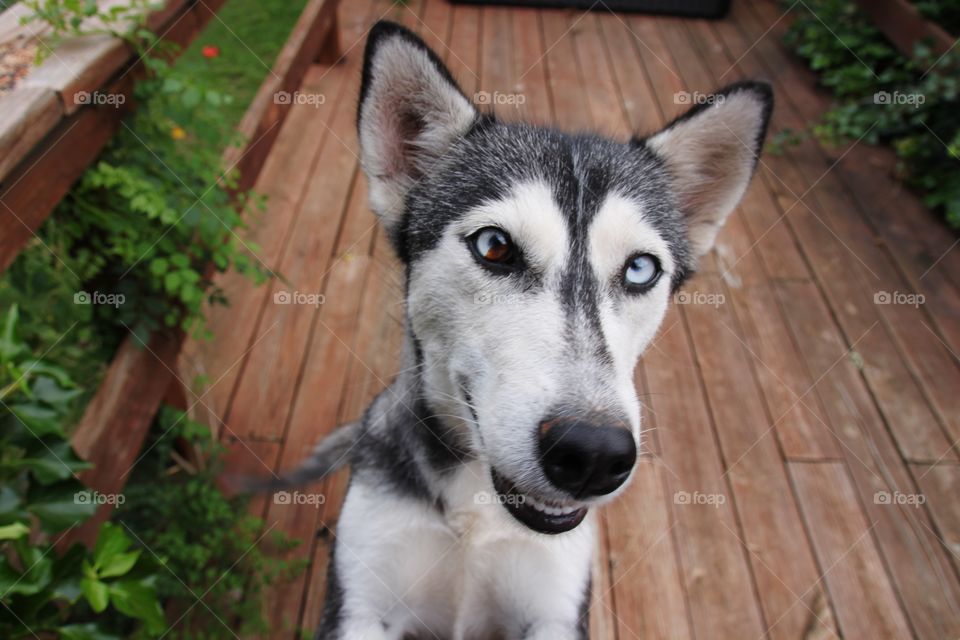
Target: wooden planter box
<point>112,430</point>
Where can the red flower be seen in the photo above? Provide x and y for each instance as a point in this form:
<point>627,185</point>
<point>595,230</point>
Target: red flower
<point>210,51</point>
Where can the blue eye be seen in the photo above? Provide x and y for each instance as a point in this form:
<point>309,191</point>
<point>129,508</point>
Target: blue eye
<point>641,273</point>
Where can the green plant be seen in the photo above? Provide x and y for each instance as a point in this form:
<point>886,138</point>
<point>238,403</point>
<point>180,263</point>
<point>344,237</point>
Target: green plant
<point>42,591</point>
<point>210,545</point>
<point>151,222</point>
<point>912,104</point>
<point>67,18</point>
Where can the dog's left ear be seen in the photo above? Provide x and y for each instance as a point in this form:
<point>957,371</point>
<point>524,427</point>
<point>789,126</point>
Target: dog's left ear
<point>711,152</point>
<point>411,111</point>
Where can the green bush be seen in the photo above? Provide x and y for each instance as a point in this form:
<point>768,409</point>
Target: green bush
<point>43,591</point>
<point>209,544</point>
<point>912,104</point>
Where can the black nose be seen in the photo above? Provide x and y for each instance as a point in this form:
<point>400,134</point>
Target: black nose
<point>586,459</point>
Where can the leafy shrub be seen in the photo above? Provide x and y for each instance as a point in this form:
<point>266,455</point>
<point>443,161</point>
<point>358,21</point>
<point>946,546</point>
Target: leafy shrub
<point>157,216</point>
<point>209,544</point>
<point>912,104</point>
<point>42,591</point>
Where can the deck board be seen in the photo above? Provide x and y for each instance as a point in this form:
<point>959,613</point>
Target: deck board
<point>796,398</point>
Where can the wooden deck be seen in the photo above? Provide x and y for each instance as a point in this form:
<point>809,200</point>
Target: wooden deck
<point>785,392</point>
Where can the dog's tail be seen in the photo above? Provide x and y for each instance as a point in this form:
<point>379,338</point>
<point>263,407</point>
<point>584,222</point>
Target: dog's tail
<point>328,455</point>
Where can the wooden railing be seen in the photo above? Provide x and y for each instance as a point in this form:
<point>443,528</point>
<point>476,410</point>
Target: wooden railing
<point>111,432</point>
<point>903,25</point>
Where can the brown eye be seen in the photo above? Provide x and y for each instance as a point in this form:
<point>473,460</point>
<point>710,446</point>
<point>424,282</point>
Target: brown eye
<point>493,245</point>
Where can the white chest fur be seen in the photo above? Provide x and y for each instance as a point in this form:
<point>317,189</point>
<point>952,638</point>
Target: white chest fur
<point>466,573</point>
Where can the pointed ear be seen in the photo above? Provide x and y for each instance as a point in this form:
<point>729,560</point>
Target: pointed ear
<point>711,152</point>
<point>411,111</point>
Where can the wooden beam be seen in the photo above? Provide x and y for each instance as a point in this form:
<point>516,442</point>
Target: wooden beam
<point>903,25</point>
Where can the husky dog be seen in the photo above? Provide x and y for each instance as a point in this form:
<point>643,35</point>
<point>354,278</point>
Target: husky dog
<point>539,265</point>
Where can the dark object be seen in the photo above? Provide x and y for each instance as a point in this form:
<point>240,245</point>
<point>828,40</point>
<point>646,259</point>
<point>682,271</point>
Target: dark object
<point>688,8</point>
<point>586,460</point>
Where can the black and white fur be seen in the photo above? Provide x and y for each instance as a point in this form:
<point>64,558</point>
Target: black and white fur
<point>430,540</point>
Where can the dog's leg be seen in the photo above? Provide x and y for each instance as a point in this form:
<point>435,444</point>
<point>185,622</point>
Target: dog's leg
<point>388,576</point>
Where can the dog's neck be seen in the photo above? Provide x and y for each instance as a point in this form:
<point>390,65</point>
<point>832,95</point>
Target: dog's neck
<point>426,447</point>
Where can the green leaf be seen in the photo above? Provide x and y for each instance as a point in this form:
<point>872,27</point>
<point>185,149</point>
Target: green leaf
<point>36,577</point>
<point>38,420</point>
<point>171,282</point>
<point>49,391</point>
<point>119,564</point>
<point>96,593</point>
<point>9,502</point>
<point>138,600</point>
<point>111,542</point>
<point>14,531</point>
<point>52,462</point>
<point>9,346</point>
<point>89,631</point>
<point>158,266</point>
<point>60,505</point>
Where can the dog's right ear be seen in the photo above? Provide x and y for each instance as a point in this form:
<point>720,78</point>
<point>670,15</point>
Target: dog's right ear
<point>411,111</point>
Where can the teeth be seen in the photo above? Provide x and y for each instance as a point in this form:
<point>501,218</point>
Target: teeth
<point>548,509</point>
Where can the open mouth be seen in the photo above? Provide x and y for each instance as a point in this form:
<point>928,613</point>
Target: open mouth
<point>543,516</point>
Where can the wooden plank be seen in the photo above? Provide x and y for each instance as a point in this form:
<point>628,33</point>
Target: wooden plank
<point>26,115</point>
<point>918,565</point>
<point>529,77</point>
<point>851,271</point>
<point>931,271</point>
<point>361,383</point>
<point>496,63</point>
<point>111,433</point>
<point>799,420</point>
<point>636,91</point>
<point>940,484</point>
<point>262,399</point>
<point>715,572</point>
<point>570,107</point>
<point>597,80</point>
<point>770,524</point>
<point>335,336</point>
<point>866,604</point>
<point>464,55</point>
<point>783,565</point>
<point>903,25</point>
<point>79,66</point>
<point>644,576</point>
<point>315,412</point>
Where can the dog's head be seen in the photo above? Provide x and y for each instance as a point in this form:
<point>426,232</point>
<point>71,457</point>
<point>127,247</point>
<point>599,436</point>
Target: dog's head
<point>540,264</point>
